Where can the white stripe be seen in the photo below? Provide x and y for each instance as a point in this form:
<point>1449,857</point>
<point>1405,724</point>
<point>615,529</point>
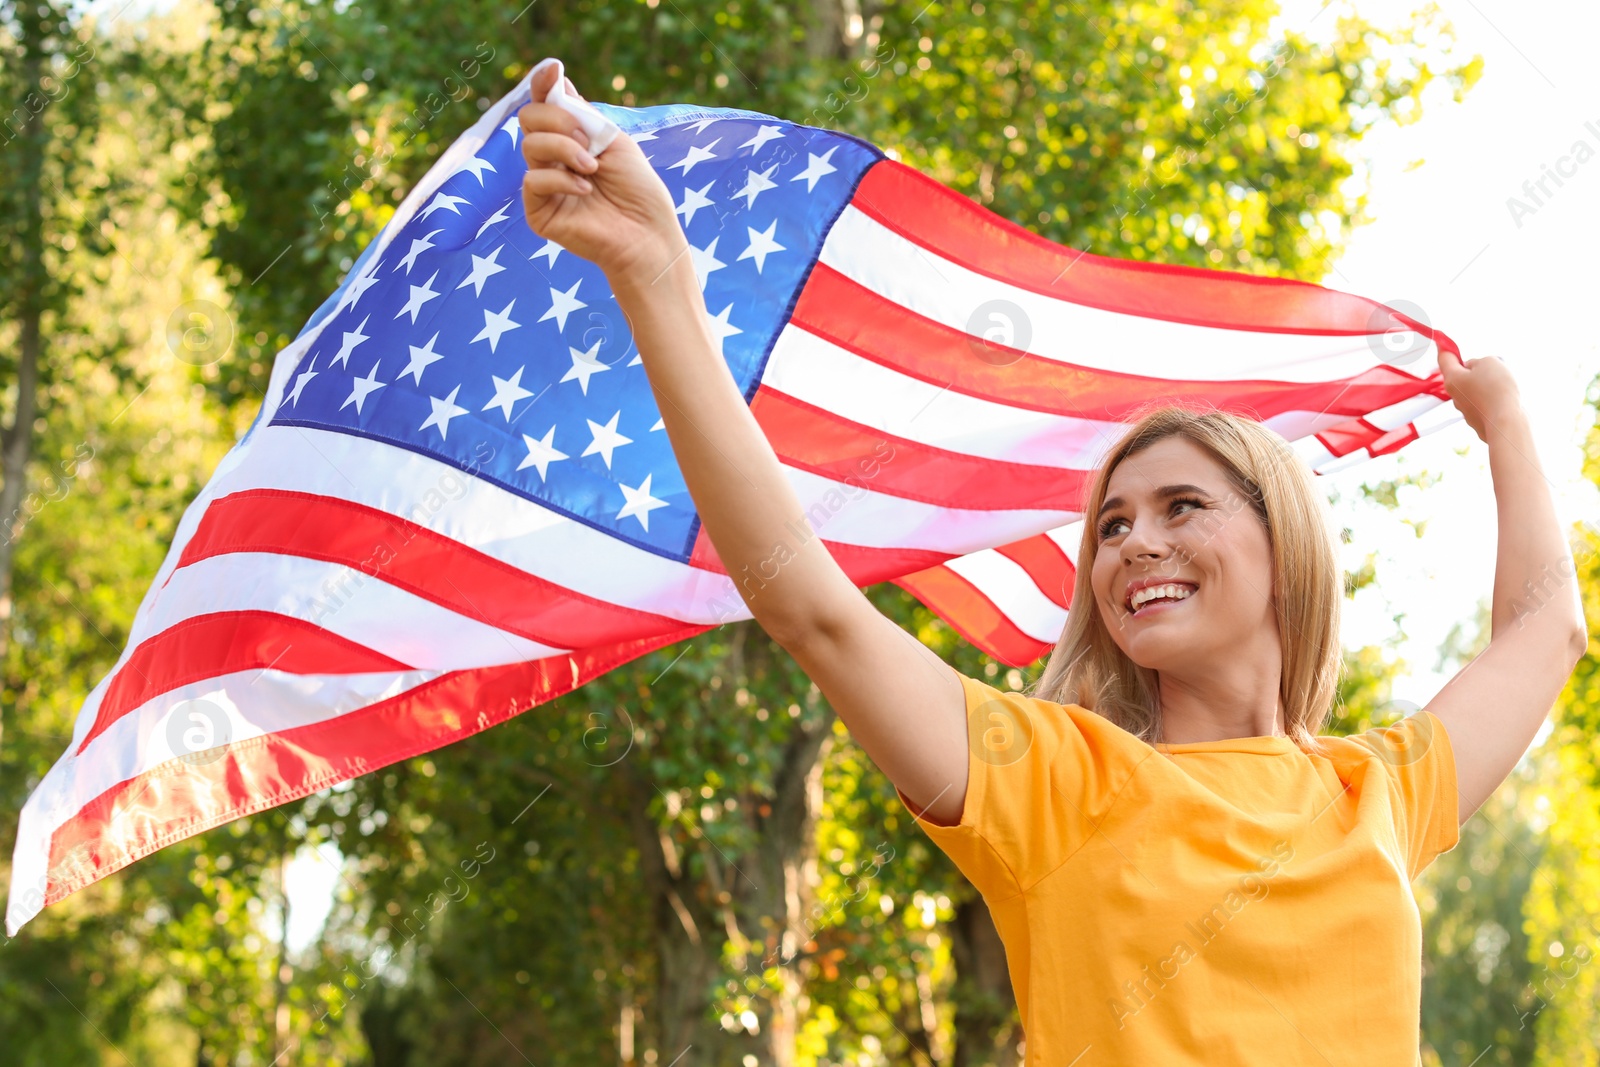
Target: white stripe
<point>1397,415</point>
<point>818,372</point>
<point>945,292</point>
<point>1314,452</point>
<point>1014,592</point>
<point>1437,418</point>
<point>539,541</point>
<point>856,516</point>
<point>342,600</point>
<point>483,516</point>
<point>1070,538</point>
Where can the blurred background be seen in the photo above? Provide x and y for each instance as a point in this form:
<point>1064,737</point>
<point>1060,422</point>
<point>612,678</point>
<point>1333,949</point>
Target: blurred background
<point>687,860</point>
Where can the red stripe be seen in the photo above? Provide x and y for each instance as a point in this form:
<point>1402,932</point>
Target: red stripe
<point>863,565</point>
<point>815,440</point>
<point>973,615</point>
<point>179,799</point>
<point>1346,437</point>
<point>938,218</point>
<point>1046,563</point>
<point>1394,440</point>
<point>848,314</point>
<point>416,559</point>
<point>207,646</point>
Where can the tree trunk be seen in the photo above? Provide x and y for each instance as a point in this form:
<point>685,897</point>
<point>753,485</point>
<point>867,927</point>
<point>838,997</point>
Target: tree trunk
<point>280,985</point>
<point>987,1028</point>
<point>16,440</point>
<point>785,881</point>
<point>757,900</point>
<point>828,26</point>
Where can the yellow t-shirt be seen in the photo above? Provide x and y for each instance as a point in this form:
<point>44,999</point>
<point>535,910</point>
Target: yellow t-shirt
<point>1232,902</point>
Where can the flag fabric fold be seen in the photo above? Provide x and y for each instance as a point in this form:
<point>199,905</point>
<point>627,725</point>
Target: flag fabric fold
<point>458,500</point>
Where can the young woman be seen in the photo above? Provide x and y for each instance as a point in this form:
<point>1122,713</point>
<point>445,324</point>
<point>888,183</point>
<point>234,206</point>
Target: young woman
<point>1180,869</point>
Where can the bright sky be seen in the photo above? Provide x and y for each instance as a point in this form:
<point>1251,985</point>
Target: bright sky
<point>1444,240</point>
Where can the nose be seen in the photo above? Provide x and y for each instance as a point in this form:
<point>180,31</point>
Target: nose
<point>1143,542</point>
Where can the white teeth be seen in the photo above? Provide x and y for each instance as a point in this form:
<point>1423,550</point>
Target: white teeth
<point>1152,592</point>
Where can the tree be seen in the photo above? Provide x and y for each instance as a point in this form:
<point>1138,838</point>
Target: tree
<point>43,211</point>
<point>1562,915</point>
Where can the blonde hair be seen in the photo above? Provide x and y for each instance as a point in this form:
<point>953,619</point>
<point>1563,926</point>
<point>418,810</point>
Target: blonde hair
<point>1088,669</point>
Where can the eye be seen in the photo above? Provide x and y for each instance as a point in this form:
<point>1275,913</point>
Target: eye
<point>1108,527</point>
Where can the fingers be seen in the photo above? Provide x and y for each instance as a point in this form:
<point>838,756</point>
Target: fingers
<point>544,150</point>
<point>544,81</point>
<point>551,118</point>
<point>540,185</point>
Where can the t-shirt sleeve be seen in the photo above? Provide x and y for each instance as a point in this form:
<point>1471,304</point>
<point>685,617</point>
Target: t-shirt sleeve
<point>1420,763</point>
<point>1030,772</point>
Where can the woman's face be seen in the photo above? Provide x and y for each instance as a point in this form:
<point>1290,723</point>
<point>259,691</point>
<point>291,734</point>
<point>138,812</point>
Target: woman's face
<point>1173,516</point>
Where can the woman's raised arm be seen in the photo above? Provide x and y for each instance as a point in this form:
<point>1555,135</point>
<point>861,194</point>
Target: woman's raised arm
<point>903,704</point>
<point>1495,705</point>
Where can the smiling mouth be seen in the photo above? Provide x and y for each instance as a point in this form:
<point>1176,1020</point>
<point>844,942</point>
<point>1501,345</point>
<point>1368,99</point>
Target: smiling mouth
<point>1172,594</point>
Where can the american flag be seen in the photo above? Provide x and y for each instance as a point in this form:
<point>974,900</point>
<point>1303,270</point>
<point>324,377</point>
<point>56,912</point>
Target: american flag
<point>458,500</point>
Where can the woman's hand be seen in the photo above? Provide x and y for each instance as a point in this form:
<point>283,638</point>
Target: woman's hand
<point>612,210</point>
<point>1482,389</point>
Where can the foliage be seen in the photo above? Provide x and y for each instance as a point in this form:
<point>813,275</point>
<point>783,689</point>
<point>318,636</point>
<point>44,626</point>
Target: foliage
<point>1563,913</point>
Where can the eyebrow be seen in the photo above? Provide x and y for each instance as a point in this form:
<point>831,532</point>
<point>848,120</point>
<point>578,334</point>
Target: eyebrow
<point>1164,492</point>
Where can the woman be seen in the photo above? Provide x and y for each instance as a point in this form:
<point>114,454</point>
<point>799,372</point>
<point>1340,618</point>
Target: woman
<point>1180,869</point>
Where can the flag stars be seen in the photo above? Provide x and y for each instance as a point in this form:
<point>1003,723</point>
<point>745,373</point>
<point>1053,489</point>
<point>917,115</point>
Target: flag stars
<point>606,439</point>
<point>542,453</point>
<point>477,165</point>
<point>421,359</point>
<point>563,304</point>
<point>612,485</point>
<point>496,323</point>
<point>444,409</point>
<point>585,365</point>
<point>507,391</point>
<point>513,129</point>
<point>444,202</point>
<point>361,388</point>
<point>550,251</point>
<point>357,287</point>
<point>763,135</point>
<point>721,328</point>
<point>483,268</point>
<point>817,167</point>
<point>696,155</point>
<point>300,383</point>
<point>352,338</point>
<point>420,294</point>
<point>705,261</point>
<point>499,216</point>
<point>639,502</point>
<point>762,245</point>
<point>755,184</point>
<point>694,200</point>
<point>419,245</point>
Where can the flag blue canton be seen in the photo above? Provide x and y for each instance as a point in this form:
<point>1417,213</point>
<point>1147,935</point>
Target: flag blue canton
<point>476,342</point>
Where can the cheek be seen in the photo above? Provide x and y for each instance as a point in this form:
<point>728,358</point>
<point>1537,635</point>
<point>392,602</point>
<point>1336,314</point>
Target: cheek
<point>1100,585</point>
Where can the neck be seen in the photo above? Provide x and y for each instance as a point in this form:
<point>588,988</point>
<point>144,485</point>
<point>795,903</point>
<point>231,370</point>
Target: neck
<point>1243,702</point>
